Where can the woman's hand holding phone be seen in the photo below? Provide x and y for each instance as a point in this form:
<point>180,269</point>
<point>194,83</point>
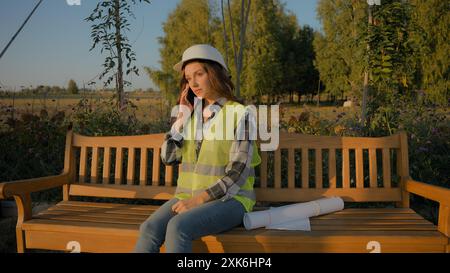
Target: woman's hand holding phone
<point>184,110</point>
<point>184,98</point>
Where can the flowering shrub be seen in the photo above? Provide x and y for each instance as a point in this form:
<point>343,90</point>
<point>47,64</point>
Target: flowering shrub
<point>32,145</point>
<point>427,128</point>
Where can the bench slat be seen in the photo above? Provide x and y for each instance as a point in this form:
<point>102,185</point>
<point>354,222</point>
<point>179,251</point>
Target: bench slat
<point>293,140</point>
<point>94,165</point>
<point>106,165</point>
<point>359,168</point>
<point>136,217</point>
<point>335,225</point>
<point>83,164</point>
<point>143,167</point>
<point>118,166</point>
<point>267,194</point>
<point>277,167</point>
<point>291,168</point>
<point>155,169</point>
<point>130,166</point>
<point>345,168</point>
<point>169,176</point>
<point>373,168</point>
<point>332,168</point>
<point>391,241</point>
<point>386,168</point>
<point>263,170</point>
<point>354,219</point>
<point>305,169</point>
<point>318,165</point>
<point>136,141</point>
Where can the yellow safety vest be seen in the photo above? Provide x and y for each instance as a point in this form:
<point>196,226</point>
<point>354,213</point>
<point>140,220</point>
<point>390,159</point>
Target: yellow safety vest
<point>200,172</point>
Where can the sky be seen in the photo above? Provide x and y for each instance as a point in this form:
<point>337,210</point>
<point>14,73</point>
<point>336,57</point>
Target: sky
<point>53,47</point>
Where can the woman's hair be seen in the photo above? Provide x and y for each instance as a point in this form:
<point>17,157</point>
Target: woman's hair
<point>218,77</point>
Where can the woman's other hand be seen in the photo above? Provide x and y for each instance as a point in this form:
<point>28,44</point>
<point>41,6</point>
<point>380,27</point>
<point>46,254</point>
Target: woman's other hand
<point>187,204</point>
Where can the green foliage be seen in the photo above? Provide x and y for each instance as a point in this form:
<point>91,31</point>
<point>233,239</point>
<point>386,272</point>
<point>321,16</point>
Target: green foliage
<point>340,48</point>
<point>192,22</point>
<point>408,47</point>
<point>164,81</point>
<point>391,52</point>
<point>32,145</point>
<point>432,18</point>
<point>278,54</point>
<point>262,62</point>
<point>101,118</point>
<point>72,87</point>
<point>110,23</point>
<point>427,128</point>
<point>106,33</point>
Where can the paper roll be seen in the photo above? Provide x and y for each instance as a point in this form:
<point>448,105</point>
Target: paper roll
<point>296,214</point>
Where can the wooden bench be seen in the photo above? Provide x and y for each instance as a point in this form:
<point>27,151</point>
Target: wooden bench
<point>303,168</point>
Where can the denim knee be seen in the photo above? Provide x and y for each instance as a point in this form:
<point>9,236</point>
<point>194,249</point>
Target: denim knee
<point>177,226</point>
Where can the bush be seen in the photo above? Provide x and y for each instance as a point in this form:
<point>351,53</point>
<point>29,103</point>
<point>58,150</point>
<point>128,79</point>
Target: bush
<point>427,128</point>
<point>33,145</point>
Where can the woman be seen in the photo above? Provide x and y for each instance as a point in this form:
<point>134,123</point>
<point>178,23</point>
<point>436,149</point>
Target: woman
<point>215,184</point>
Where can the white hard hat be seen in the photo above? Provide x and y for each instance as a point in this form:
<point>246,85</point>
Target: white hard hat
<point>202,51</point>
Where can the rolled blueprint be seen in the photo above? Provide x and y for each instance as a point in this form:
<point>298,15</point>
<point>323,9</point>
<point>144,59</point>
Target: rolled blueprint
<point>294,216</point>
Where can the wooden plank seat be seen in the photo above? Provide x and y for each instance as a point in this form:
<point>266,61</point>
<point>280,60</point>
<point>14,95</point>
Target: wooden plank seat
<point>303,168</point>
<point>116,227</point>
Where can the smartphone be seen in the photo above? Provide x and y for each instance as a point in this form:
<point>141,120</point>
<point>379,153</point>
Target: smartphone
<point>191,96</point>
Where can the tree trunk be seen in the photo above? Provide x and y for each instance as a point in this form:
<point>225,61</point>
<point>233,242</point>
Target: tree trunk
<point>366,82</point>
<point>239,56</point>
<point>318,94</point>
<point>225,37</point>
<point>119,75</point>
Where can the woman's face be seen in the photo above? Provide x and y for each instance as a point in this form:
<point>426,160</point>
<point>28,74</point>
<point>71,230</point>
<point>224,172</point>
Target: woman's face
<point>198,80</point>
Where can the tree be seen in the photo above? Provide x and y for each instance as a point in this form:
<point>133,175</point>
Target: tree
<point>162,80</point>
<point>72,87</point>
<point>390,47</point>
<point>306,76</point>
<point>245,8</point>
<point>340,48</point>
<point>432,18</point>
<point>263,73</point>
<point>109,31</point>
<point>265,47</point>
<point>192,22</point>
<point>273,56</point>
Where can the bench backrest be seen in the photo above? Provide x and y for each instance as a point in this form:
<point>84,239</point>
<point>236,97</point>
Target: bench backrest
<point>303,168</point>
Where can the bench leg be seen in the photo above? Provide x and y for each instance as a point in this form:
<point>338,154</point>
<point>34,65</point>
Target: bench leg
<point>404,203</point>
<point>20,239</point>
<point>23,213</point>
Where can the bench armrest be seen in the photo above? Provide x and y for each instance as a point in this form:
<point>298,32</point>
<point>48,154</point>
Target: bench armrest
<point>26,186</point>
<point>435,193</point>
<point>432,192</point>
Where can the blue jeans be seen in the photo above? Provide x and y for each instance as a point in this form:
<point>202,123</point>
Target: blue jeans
<point>179,230</point>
